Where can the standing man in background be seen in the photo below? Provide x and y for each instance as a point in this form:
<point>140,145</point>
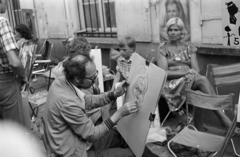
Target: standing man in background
<point>10,66</point>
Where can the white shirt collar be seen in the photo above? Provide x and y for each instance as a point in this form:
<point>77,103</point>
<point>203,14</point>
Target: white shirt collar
<point>78,92</point>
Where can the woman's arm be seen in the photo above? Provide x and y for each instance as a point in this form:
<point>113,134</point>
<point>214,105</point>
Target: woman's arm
<point>177,63</point>
<point>194,62</point>
<point>162,62</point>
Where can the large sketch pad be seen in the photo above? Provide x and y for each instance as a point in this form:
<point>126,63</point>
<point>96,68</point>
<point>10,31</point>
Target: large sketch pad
<point>145,84</point>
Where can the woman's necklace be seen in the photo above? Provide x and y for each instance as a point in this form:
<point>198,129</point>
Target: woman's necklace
<point>176,51</point>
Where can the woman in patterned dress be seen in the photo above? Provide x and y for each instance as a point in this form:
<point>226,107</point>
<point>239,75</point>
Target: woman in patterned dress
<point>180,62</point>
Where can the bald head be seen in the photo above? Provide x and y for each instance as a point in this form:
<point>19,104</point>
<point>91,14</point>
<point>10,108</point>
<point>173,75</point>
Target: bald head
<point>81,58</point>
<point>75,67</point>
<point>77,45</point>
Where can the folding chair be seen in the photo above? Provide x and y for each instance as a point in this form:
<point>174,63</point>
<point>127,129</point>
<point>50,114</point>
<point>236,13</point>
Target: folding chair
<point>190,137</point>
<point>40,65</point>
<point>42,60</point>
<point>225,75</point>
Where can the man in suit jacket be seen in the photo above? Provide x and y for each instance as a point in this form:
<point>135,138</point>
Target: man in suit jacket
<point>69,130</point>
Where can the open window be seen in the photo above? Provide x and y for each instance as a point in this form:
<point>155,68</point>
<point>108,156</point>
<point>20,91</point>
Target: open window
<point>97,18</point>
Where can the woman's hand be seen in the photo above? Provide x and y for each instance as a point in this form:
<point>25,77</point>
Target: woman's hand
<point>176,63</point>
<point>121,89</point>
<point>179,67</point>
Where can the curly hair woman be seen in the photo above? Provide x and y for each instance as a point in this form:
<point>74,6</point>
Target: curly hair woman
<point>25,45</point>
<point>22,34</point>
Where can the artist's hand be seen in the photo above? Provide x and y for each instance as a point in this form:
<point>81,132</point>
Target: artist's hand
<point>121,89</point>
<point>128,108</point>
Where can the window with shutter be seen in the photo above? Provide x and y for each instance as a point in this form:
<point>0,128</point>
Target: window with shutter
<point>206,21</point>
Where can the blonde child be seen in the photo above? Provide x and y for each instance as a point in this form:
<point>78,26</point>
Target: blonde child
<point>127,47</point>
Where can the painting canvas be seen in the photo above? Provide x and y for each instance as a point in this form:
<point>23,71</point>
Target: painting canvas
<point>170,9</point>
<point>29,20</point>
<point>145,84</point>
<point>96,55</point>
<point>231,22</point>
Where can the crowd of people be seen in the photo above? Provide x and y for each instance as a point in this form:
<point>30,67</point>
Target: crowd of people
<point>78,122</point>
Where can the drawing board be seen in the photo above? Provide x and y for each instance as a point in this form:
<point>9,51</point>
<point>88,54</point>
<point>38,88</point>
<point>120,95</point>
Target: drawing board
<point>145,84</point>
<point>96,56</point>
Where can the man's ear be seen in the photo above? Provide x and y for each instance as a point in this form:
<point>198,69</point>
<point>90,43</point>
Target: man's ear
<point>76,79</point>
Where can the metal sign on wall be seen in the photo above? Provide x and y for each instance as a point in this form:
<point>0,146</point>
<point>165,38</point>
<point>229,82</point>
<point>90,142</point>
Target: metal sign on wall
<point>231,22</point>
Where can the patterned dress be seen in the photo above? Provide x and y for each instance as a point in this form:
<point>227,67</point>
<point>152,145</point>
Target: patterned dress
<point>174,90</point>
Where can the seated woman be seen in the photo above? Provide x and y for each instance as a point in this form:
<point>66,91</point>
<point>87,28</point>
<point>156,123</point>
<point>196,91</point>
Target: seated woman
<point>180,62</point>
<point>22,34</point>
<point>25,44</point>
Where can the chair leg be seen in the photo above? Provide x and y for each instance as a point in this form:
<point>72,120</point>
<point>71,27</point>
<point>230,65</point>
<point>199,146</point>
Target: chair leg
<point>190,117</point>
<point>32,90</point>
<point>33,109</point>
<point>165,118</point>
<point>234,149</point>
<point>35,128</point>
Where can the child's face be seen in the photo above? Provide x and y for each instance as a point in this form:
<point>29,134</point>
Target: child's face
<point>17,35</point>
<point>126,51</point>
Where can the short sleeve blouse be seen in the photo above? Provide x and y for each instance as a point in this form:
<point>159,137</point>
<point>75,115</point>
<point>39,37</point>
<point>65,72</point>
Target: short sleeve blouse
<point>182,54</point>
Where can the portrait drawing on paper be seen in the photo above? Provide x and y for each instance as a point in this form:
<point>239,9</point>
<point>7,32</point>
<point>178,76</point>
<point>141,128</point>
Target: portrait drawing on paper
<point>138,85</point>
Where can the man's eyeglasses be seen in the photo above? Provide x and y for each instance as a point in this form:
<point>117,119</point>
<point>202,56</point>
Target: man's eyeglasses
<point>93,78</point>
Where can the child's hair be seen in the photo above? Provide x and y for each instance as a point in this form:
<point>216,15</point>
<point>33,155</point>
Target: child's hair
<point>129,41</point>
